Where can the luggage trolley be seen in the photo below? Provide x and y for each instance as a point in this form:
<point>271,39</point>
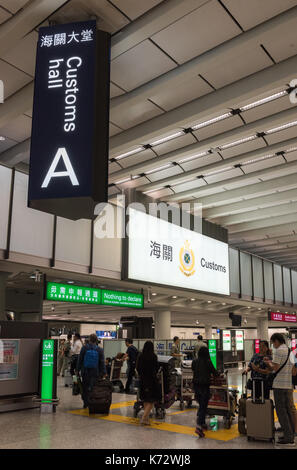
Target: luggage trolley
<point>223,400</point>
<point>166,376</point>
<point>115,375</point>
<point>184,382</point>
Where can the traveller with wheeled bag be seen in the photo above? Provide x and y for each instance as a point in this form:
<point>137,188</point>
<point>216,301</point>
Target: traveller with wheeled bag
<point>96,387</point>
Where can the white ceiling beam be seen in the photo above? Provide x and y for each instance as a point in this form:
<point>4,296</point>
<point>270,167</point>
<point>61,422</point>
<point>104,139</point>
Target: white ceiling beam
<point>35,12</point>
<point>252,189</point>
<point>267,241</point>
<point>247,204</point>
<point>155,20</point>
<point>202,108</point>
<point>260,250</point>
<point>16,104</point>
<point>220,165</point>
<point>236,238</point>
<point>282,209</point>
<point>282,254</point>
<point>215,58</point>
<point>16,154</point>
<point>238,133</point>
<point>267,224</point>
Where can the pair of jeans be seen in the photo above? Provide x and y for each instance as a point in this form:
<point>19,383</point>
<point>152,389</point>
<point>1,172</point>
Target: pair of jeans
<point>202,396</point>
<point>283,411</point>
<point>130,375</point>
<point>73,364</point>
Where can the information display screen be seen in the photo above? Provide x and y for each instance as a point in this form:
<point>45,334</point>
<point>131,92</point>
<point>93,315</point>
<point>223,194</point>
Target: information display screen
<point>226,340</point>
<point>239,340</point>
<point>88,295</point>
<point>47,369</point>
<point>9,358</point>
<point>106,334</point>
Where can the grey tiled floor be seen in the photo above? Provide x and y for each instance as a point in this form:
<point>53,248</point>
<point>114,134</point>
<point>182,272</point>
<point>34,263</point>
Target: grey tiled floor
<point>61,430</point>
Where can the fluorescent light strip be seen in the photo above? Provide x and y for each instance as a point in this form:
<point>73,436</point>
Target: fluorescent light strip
<point>131,152</point>
<point>193,157</point>
<point>211,121</point>
<point>216,172</point>
<point>273,97</point>
<point>238,142</point>
<point>153,190</point>
<point>292,149</point>
<point>125,180</point>
<point>256,160</point>
<point>158,169</point>
<point>166,139</point>
<point>281,128</point>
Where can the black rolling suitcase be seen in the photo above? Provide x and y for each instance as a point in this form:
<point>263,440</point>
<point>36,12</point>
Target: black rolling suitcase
<point>242,407</point>
<point>100,397</point>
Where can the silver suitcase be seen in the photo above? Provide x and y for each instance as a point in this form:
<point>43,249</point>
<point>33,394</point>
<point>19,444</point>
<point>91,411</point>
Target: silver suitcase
<point>259,416</point>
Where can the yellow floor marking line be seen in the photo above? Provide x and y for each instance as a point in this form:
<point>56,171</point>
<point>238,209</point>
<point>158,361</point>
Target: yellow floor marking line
<point>181,411</point>
<point>221,434</point>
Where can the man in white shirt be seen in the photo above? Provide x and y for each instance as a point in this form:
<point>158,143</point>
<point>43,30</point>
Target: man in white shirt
<point>282,388</point>
<point>74,352</point>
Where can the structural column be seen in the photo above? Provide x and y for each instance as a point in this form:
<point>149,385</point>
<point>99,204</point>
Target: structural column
<point>208,331</point>
<point>262,328</point>
<point>3,279</point>
<point>163,324</point>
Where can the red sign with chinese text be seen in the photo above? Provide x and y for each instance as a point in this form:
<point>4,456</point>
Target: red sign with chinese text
<point>257,346</point>
<point>277,316</point>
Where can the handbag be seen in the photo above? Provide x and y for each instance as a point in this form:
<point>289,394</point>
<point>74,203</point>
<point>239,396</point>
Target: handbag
<point>272,376</point>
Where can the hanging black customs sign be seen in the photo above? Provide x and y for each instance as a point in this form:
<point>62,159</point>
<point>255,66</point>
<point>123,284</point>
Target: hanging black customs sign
<point>69,143</point>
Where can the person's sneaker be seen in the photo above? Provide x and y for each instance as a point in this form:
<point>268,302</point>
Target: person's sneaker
<point>285,442</point>
<point>200,432</point>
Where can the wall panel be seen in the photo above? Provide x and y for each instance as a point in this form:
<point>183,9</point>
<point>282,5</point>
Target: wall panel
<point>5,182</point>
<point>73,242</point>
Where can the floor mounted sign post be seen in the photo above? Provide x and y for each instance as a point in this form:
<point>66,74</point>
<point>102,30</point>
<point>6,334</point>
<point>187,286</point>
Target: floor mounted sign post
<point>48,389</point>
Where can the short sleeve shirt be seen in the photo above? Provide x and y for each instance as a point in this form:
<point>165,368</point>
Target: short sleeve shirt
<point>175,350</point>
<point>283,380</point>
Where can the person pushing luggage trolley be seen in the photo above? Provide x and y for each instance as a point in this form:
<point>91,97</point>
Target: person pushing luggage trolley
<point>91,365</point>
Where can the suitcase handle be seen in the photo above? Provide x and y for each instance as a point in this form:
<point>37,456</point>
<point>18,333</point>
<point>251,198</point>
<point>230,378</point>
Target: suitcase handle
<point>262,400</point>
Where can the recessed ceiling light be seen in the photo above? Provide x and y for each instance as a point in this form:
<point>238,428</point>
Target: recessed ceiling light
<point>174,296</point>
<point>2,138</point>
<point>249,307</point>
<point>259,308</point>
<point>209,301</point>
<point>70,282</point>
<point>154,293</point>
<point>130,152</point>
<point>223,303</point>
<point>192,300</point>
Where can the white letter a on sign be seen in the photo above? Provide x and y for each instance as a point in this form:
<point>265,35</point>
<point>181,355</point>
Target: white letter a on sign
<point>61,153</point>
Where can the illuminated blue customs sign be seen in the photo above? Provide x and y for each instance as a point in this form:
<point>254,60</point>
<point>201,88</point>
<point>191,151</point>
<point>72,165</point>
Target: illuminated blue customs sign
<point>69,144</point>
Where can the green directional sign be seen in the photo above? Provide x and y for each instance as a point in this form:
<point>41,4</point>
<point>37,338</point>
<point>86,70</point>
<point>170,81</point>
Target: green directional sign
<point>47,369</point>
<point>122,299</point>
<point>70,293</point>
<point>88,295</point>
<point>212,346</point>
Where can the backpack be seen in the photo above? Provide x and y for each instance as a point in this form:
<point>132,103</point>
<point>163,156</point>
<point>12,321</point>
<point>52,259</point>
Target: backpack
<point>91,358</point>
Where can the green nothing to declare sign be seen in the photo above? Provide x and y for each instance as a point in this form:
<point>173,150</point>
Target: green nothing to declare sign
<point>89,295</point>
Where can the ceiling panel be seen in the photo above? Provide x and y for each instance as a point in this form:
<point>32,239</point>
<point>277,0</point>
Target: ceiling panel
<point>252,12</point>
<point>290,157</point>
<point>175,144</point>
<point>286,170</point>
<point>113,190</point>
<point>223,176</point>
<point>23,56</point>
<point>239,67</point>
<point>140,157</point>
<point>197,32</point>
<point>12,78</point>
<point>218,127</point>
<point>159,175</point>
<point>13,5</point>
<point>189,90</point>
<point>281,104</point>
<point>284,44</point>
<point>282,135</point>
<point>4,15</point>
<point>201,161</point>
<point>113,167</point>
<point>133,183</point>
<point>194,184</point>
<point>115,90</point>
<point>135,114</point>
<point>19,129</point>
<point>135,8</point>
<point>263,164</point>
<point>241,184</point>
<point>160,193</point>
<point>6,144</point>
<point>130,70</point>
<point>113,130</point>
<point>243,148</point>
<point>108,17</point>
